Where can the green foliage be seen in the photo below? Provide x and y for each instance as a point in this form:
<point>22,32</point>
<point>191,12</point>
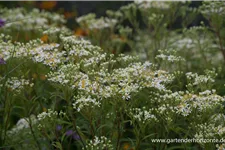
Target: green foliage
<point>98,90</point>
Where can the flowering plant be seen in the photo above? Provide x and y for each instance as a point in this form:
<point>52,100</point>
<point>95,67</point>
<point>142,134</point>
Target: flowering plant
<point>61,91</point>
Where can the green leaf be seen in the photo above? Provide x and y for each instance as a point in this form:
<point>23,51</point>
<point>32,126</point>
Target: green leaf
<point>58,145</point>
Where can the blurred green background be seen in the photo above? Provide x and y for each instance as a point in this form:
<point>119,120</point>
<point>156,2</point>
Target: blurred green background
<point>72,9</point>
<point>80,7</point>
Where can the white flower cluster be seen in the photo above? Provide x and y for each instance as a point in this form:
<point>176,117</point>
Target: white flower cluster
<point>99,143</point>
<point>85,102</point>
<point>102,23</point>
<point>170,58</point>
<point>122,58</point>
<point>57,30</point>
<point>123,81</point>
<point>91,73</point>
<point>133,78</point>
<point>194,79</point>
<point>64,76</point>
<point>91,22</point>
<point>142,75</point>
<point>142,115</point>
<point>15,84</point>
<point>169,55</point>
<point>48,116</point>
<point>209,131</point>
<point>23,123</point>
<point>48,54</point>
<point>201,103</point>
<point>79,48</point>
<point>152,4</point>
<point>9,49</point>
<point>213,8</point>
<point>21,19</point>
<point>186,103</point>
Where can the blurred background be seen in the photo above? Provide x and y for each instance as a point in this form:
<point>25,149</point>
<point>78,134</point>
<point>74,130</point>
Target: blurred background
<point>79,7</point>
<point>70,9</point>
<point>73,9</point>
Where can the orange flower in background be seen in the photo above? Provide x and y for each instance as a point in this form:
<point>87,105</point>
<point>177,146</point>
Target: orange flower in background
<point>42,77</point>
<point>68,15</point>
<point>48,5</point>
<point>123,39</point>
<point>44,38</point>
<point>81,32</point>
<point>126,146</point>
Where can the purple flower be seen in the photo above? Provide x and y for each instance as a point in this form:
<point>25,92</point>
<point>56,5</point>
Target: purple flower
<point>58,127</point>
<point>76,136</point>
<point>73,134</point>
<point>2,23</point>
<point>2,61</point>
<point>69,132</point>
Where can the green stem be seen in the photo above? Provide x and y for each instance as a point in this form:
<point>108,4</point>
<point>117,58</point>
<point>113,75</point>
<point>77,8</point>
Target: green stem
<point>32,132</point>
<point>118,131</point>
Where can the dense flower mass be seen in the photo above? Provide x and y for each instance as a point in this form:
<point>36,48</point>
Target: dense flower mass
<point>92,23</point>
<point>21,19</point>
<point>99,143</point>
<point>16,85</point>
<point>212,8</point>
<point>153,4</point>
<point>85,102</point>
<point>118,82</point>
